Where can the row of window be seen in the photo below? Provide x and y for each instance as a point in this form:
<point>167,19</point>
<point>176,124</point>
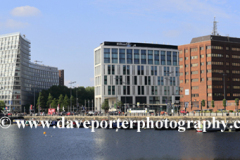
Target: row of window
<point>136,56</point>
<point>147,80</point>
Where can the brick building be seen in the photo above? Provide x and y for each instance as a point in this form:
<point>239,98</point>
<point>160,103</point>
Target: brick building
<point>61,77</point>
<point>208,66</point>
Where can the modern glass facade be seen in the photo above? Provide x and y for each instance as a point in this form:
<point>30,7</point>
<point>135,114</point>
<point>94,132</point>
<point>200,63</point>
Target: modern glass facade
<point>140,71</point>
<point>19,77</point>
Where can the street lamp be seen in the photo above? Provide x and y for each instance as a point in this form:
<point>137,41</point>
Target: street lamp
<point>71,94</point>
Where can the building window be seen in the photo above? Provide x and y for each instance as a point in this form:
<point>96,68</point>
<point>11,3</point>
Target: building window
<point>124,90</point>
<point>150,57</point>
<point>114,55</point>
<point>145,80</point>
<point>208,47</point>
<point>163,57</point>
<point>143,57</point>
<point>162,81</point>
<point>177,71</point>
<point>152,70</point>
<point>128,80</point>
<point>135,80</point>
<point>194,72</point>
<point>169,58</point>
<point>170,81</point>
<point>202,55</point>
<point>174,83</point>
<point>142,70</point>
<point>136,56</point>
<point>195,80</point>
<point>109,90</point>
<point>122,55</point>
<point>129,56</point>
<point>175,58</point>
<point>124,69</point>
<point>156,57</point>
<point>105,80</point>
<point>116,80</point>
<point>159,81</point>
<point>139,70</point>
<point>142,90</point>
<point>113,69</point>
<point>152,90</point>
<point>201,48</point>
<point>155,70</point>
<point>106,55</point>
<point>149,80</point>
<point>113,90</point>
<point>194,87</point>
<point>209,94</point>
<point>120,80</point>
<point>194,57</point>
<point>128,69</point>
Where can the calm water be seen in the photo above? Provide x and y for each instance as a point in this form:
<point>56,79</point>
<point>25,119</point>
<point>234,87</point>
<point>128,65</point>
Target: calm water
<point>104,144</point>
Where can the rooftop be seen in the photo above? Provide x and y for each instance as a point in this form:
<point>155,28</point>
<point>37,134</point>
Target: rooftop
<point>134,44</point>
<point>216,38</point>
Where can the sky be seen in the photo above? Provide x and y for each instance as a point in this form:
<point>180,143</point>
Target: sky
<point>64,33</point>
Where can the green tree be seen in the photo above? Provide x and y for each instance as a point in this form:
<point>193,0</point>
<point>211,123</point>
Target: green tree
<point>50,99</point>
<point>40,101</point>
<point>224,103</point>
<point>237,103</point>
<point>119,104</point>
<point>73,100</point>
<point>60,101</point>
<point>2,106</point>
<point>65,102</point>
<point>213,104</point>
<point>54,103</point>
<point>105,105</point>
<point>203,103</point>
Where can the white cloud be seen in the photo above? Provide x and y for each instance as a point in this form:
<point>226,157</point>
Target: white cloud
<point>13,24</point>
<point>25,11</point>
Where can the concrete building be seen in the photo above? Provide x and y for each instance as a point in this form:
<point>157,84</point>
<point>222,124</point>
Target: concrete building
<point>209,70</point>
<point>136,73</point>
<point>61,77</point>
<point>19,77</point>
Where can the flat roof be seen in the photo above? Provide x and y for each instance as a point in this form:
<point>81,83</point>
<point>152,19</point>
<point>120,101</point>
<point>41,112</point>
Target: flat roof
<point>134,44</point>
<point>215,38</point>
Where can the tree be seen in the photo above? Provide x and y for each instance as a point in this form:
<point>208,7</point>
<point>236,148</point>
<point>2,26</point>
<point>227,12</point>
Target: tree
<point>73,100</point>
<point>2,106</point>
<point>237,103</point>
<point>213,104</point>
<point>105,105</point>
<point>65,101</point>
<point>203,103</point>
<point>40,101</point>
<point>224,103</point>
<point>50,99</point>
<point>54,103</point>
<point>119,103</point>
<point>60,101</point>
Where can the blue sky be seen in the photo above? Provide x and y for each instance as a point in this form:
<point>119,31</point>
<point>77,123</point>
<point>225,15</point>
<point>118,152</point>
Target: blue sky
<point>64,33</point>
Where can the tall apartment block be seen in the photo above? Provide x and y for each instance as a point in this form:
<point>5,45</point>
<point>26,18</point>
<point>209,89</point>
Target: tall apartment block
<point>61,77</point>
<point>209,70</point>
<point>136,73</point>
<point>20,78</point>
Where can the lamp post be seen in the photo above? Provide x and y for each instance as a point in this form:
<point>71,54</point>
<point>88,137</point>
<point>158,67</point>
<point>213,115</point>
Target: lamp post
<point>71,94</point>
<point>168,106</point>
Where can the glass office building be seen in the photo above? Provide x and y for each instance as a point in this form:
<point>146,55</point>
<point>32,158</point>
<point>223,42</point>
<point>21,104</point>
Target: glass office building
<point>136,73</point>
<point>20,78</point>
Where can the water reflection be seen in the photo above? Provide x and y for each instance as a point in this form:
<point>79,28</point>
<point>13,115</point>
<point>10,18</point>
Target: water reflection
<point>108,144</point>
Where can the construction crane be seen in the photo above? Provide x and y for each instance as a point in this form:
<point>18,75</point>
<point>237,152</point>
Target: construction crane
<point>37,61</point>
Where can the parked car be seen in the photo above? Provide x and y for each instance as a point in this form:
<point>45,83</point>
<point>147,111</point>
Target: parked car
<point>90,113</point>
<point>113,113</point>
<point>69,113</point>
<point>183,111</point>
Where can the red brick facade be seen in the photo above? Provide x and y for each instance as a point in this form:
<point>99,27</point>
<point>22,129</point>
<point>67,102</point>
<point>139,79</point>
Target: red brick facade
<point>203,65</point>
